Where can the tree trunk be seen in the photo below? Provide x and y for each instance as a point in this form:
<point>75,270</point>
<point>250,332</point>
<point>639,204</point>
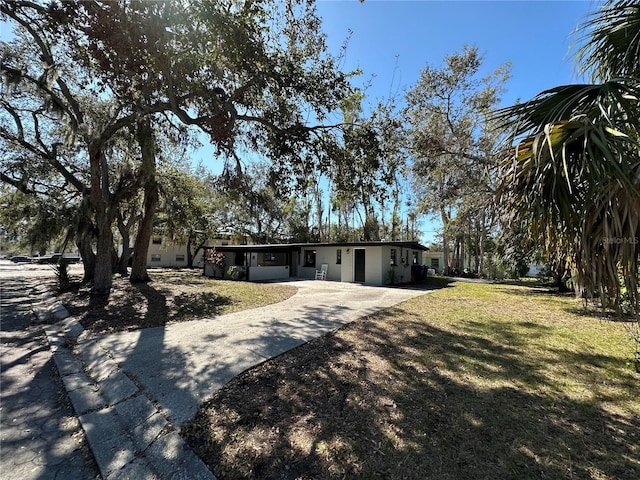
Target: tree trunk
<point>123,261</point>
<point>100,201</point>
<point>199,247</point>
<point>561,276</point>
<point>145,229</point>
<point>473,246</point>
<point>102,278</point>
<point>191,252</point>
<point>319,212</point>
<point>445,242</point>
<point>483,236</point>
<point>83,242</point>
<point>190,256</point>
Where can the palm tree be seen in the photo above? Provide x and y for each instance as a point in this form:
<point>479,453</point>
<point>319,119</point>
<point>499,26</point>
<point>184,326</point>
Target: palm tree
<point>574,173</point>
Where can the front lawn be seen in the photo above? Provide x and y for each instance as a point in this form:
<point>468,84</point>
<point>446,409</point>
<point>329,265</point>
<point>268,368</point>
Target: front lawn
<point>171,296</point>
<point>469,381</point>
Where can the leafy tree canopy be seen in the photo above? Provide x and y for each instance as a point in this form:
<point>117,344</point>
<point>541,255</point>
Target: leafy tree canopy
<point>252,75</point>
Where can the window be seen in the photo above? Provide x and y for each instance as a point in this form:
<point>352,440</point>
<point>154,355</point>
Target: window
<point>435,263</point>
<point>393,257</point>
<point>272,259</point>
<point>155,257</point>
<point>180,257</point>
<point>156,241</point>
<point>338,256</point>
<point>269,257</point>
<point>415,258</point>
<point>309,258</point>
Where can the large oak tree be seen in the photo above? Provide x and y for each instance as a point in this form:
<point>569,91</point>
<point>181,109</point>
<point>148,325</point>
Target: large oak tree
<point>450,141</point>
<point>251,75</point>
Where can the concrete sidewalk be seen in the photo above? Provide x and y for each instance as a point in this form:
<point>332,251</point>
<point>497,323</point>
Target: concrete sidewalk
<point>129,437</point>
<point>134,390</point>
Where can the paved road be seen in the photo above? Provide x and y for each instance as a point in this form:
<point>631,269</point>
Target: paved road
<point>40,438</point>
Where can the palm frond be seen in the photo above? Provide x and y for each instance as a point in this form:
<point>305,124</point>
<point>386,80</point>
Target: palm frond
<point>609,41</point>
<point>617,97</point>
<point>571,164</point>
<point>576,184</point>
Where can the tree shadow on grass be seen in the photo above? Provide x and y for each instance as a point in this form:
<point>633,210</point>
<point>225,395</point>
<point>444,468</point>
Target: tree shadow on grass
<point>603,314</point>
<point>541,290</point>
<point>165,371</point>
<point>435,283</point>
<point>140,305</point>
<point>580,307</point>
<point>192,305</point>
<point>415,401</point>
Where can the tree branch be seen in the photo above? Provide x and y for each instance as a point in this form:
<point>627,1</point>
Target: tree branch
<point>18,184</point>
<point>72,108</point>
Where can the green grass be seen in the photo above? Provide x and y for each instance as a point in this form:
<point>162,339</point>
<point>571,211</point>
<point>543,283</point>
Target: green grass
<point>172,296</point>
<point>468,381</point>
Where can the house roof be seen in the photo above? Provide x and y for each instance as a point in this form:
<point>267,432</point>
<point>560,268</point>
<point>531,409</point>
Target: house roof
<point>287,247</point>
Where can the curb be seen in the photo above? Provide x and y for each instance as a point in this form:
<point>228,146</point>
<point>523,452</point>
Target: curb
<point>46,307</point>
<point>129,437</point>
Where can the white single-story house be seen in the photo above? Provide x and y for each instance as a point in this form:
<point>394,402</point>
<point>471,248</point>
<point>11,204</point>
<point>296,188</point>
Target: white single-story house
<point>537,269</point>
<point>373,263</point>
<point>435,261</point>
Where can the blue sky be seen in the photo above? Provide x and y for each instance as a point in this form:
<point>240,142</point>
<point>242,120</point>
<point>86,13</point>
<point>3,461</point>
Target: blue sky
<point>394,40</point>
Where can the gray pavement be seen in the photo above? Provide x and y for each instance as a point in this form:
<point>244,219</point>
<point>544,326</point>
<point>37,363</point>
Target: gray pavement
<point>129,437</point>
<point>181,365</point>
<point>40,437</point>
<point>132,391</point>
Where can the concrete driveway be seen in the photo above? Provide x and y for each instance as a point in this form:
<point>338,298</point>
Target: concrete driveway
<point>181,365</point>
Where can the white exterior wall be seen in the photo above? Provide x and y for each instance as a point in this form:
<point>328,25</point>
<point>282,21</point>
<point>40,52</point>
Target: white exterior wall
<point>168,253</point>
<point>427,256</point>
<point>323,255</point>
<point>536,269</point>
<point>347,267</point>
<point>268,273</point>
<point>328,255</point>
<point>167,256</point>
<point>373,270</point>
<point>376,264</point>
<point>404,262</point>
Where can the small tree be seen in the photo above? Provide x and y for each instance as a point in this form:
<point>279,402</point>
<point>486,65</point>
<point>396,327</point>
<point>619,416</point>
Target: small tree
<point>216,260</point>
<point>61,270</point>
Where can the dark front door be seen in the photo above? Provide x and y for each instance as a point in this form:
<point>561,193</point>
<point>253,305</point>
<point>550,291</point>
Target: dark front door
<point>359,265</point>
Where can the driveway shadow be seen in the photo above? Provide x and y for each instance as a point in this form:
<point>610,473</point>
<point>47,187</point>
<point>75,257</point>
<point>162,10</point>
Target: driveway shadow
<point>338,409</point>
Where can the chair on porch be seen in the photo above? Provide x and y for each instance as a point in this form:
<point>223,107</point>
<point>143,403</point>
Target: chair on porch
<point>322,273</point>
